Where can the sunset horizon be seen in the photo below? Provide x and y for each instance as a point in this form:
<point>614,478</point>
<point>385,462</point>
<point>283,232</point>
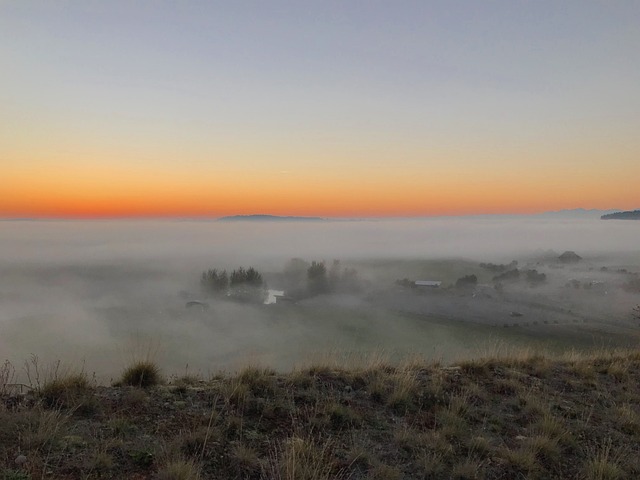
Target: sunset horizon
<point>144,215</point>
<point>122,110</point>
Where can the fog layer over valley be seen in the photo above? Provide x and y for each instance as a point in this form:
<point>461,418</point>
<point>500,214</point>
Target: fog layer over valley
<point>99,293</point>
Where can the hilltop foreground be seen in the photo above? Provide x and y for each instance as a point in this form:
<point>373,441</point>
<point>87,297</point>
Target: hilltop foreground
<point>520,417</point>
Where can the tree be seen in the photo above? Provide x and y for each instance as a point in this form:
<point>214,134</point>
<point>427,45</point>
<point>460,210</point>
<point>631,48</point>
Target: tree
<point>242,285</point>
<point>238,277</point>
<point>535,278</point>
<point>294,277</point>
<point>253,277</point>
<point>247,286</point>
<point>468,281</point>
<point>509,275</point>
<point>317,278</point>
<point>214,282</point>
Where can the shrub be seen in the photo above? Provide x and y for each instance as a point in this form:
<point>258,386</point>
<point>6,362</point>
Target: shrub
<point>142,374</point>
<point>179,470</point>
<point>468,281</point>
<point>66,391</point>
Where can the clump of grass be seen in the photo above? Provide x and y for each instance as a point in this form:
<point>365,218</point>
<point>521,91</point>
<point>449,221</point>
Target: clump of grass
<point>179,469</point>
<point>407,438</point>
<point>245,459</point>
<point>603,462</point>
<point>618,369</point>
<point>432,464</point>
<point>628,419</point>
<point>359,457</point>
<point>65,391</point>
<point>451,424</point>
<point>121,427</point>
<point>533,407</point>
<point>506,387</point>
<point>235,392</point>
<point>459,403</point>
<point>299,458</point>
<point>480,446</point>
<point>544,448</point>
<point>341,416</point>
<point>7,377</point>
<point>552,427</point>
<point>194,442</point>
<point>405,386</point>
<point>143,373</point>
<point>520,461</point>
<point>469,469</point>
<point>436,441</point>
<point>44,429</point>
<point>101,462</point>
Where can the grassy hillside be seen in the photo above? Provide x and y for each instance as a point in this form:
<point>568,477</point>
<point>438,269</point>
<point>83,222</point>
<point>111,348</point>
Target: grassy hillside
<point>524,416</point>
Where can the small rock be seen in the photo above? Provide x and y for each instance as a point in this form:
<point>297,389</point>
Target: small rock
<point>21,459</point>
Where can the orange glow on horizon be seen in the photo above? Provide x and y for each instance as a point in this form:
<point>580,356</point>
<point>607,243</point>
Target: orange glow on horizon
<point>104,189</point>
<point>331,200</point>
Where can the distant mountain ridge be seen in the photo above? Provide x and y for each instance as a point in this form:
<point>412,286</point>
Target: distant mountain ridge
<point>576,213</point>
<point>628,215</point>
<point>268,218</point>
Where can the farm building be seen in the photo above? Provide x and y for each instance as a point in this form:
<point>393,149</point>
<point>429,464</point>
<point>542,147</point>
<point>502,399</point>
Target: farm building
<point>428,283</point>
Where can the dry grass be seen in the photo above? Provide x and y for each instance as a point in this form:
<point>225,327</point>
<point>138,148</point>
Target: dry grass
<point>69,390</point>
<point>519,417</point>
<point>300,458</point>
<point>627,418</point>
<point>431,464</point>
<point>44,428</point>
<point>142,374</point>
<point>179,469</point>
<point>603,462</point>
<point>404,388</point>
<point>246,459</point>
<point>7,378</point>
<point>469,469</point>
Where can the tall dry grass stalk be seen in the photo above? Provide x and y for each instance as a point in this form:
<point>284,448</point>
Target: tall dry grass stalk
<point>603,462</point>
<point>333,359</point>
<point>7,378</point>
<point>300,458</point>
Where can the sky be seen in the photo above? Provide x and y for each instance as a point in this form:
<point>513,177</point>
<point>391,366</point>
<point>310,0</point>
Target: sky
<point>325,108</point>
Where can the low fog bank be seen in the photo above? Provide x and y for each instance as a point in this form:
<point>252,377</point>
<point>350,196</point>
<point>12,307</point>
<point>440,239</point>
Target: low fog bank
<point>99,293</point>
<point>189,242</point>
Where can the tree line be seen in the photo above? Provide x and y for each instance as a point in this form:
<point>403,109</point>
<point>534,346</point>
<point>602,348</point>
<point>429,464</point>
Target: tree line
<point>299,279</point>
<point>303,279</point>
<point>245,285</point>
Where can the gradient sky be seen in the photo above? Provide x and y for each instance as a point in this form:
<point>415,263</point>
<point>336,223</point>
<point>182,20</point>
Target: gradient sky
<point>331,108</point>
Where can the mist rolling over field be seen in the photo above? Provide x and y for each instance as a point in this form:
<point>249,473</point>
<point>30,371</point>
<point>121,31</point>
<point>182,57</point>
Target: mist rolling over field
<point>98,293</point>
<point>319,240</point>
